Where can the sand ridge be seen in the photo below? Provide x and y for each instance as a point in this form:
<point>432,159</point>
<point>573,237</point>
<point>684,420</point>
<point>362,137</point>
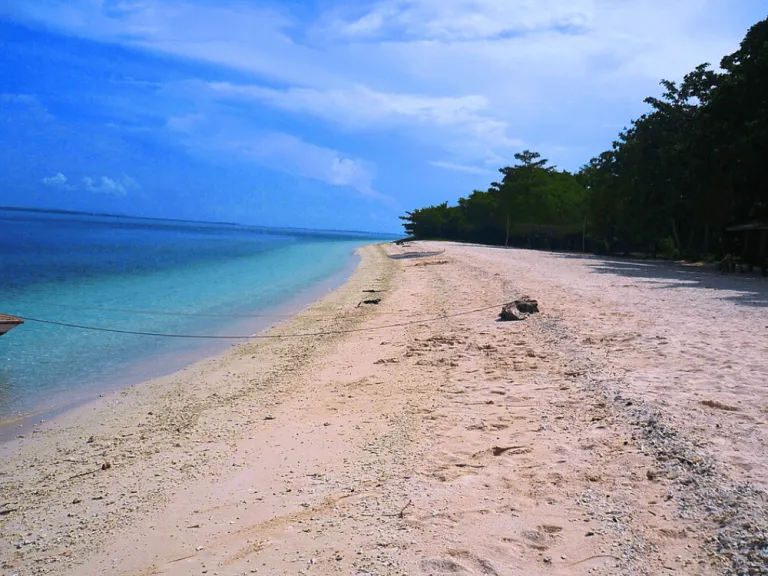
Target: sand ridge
<point>556,445</point>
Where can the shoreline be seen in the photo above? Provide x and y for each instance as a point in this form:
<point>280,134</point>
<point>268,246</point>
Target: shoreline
<point>113,440</point>
<point>153,367</point>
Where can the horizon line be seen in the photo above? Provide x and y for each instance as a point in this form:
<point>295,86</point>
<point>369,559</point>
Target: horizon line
<point>181,220</point>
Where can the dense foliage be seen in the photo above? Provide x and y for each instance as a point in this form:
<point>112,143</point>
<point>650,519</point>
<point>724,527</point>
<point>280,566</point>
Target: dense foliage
<point>694,164</point>
<point>532,203</point>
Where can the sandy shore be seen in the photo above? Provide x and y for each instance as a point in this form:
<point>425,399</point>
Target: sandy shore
<point>620,431</point>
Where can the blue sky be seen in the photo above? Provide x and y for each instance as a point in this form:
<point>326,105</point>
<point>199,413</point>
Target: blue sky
<point>326,114</point>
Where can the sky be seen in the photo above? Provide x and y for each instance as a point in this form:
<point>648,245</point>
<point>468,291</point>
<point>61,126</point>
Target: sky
<point>338,114</point>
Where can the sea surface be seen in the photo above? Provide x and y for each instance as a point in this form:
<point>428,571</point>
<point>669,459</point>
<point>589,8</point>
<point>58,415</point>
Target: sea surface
<point>143,275</point>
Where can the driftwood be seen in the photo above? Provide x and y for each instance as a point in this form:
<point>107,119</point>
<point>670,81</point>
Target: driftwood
<point>409,255</point>
<point>518,310</point>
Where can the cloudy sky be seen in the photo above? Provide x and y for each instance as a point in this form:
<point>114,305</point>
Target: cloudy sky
<point>324,113</point>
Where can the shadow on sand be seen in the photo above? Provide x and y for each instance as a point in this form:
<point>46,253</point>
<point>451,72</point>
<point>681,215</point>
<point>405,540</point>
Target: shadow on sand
<point>742,289</point>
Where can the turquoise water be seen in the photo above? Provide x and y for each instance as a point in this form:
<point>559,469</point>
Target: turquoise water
<point>121,273</point>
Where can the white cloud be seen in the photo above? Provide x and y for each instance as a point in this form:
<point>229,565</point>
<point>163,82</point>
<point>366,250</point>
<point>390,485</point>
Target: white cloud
<point>227,138</point>
<point>461,168</point>
<point>129,183</point>
<point>361,106</point>
<point>295,156</point>
<point>462,122</point>
<point>467,19</point>
<point>121,186</point>
<point>472,78</point>
<point>112,187</point>
<point>28,99</point>
<point>15,108</point>
<point>229,33</point>
<point>57,181</point>
<point>185,124</point>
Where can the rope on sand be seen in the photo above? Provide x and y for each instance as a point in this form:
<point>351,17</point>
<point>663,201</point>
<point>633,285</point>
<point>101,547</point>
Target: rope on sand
<point>260,336</point>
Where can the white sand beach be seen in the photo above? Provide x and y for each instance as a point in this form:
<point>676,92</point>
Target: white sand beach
<point>622,430</point>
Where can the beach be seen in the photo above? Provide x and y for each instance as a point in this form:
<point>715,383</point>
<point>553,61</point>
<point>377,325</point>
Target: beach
<point>621,430</point>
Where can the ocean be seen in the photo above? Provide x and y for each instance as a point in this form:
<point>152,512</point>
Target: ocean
<point>143,275</point>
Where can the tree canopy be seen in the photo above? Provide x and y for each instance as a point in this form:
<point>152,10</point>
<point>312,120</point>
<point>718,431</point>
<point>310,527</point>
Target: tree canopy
<point>671,183</point>
<point>533,200</point>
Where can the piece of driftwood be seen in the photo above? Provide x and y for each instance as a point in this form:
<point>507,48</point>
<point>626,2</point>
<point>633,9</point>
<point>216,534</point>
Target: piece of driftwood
<point>518,310</point>
<point>409,255</point>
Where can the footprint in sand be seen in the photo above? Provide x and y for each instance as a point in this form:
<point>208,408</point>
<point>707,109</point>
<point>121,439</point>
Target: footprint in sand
<point>459,562</point>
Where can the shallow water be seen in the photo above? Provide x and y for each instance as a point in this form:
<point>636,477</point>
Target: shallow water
<point>140,275</point>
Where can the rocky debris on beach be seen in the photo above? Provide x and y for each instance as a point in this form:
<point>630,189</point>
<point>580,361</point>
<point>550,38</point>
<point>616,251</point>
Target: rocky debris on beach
<point>431,263</point>
<point>734,514</point>
<point>518,310</point>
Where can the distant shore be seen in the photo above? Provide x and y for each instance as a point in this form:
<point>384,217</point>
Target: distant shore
<point>419,435</point>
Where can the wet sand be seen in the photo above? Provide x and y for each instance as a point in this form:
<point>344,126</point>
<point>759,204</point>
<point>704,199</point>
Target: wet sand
<point>622,430</point>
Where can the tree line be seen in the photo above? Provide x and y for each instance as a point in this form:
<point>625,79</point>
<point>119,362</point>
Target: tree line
<point>672,183</point>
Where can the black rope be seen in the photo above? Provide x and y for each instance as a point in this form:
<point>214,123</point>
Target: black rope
<point>259,336</point>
